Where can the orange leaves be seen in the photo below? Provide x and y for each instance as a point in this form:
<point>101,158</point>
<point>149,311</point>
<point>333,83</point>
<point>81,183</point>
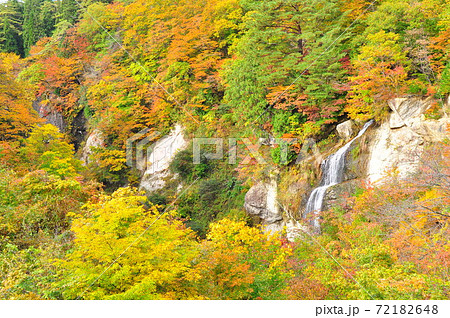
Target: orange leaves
<point>284,97</point>
<point>63,69</point>
<point>301,288</point>
<point>60,71</point>
<point>16,114</point>
<point>381,74</point>
<point>195,45</point>
<point>357,9</point>
<point>240,262</point>
<point>440,46</point>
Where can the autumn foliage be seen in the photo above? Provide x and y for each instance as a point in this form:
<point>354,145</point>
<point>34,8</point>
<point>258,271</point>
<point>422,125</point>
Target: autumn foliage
<point>220,68</point>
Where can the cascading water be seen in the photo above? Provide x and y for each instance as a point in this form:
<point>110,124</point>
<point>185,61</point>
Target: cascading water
<point>333,173</point>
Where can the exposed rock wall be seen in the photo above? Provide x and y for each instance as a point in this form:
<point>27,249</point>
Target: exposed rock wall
<point>51,116</point>
<point>75,127</point>
<point>95,139</point>
<point>399,142</point>
<point>78,129</point>
<point>160,158</point>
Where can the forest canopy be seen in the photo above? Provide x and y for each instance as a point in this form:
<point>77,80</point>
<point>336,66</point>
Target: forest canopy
<point>221,68</point>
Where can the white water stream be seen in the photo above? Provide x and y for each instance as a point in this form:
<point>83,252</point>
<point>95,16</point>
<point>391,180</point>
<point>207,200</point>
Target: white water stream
<point>333,173</point>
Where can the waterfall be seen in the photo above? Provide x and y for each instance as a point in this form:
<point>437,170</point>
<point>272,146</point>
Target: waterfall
<point>333,173</point>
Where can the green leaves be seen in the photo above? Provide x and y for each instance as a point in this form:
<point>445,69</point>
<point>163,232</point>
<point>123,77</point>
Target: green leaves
<point>47,150</point>
<point>11,19</point>
<point>292,42</point>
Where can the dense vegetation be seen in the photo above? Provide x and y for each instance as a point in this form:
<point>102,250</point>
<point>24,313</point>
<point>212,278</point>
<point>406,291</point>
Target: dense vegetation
<point>222,68</point>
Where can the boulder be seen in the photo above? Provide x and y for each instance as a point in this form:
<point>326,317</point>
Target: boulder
<point>261,201</point>
<point>345,129</point>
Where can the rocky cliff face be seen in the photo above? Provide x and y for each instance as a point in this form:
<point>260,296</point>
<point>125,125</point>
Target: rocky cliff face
<point>75,127</point>
<point>160,158</point>
<point>51,116</point>
<point>393,147</point>
<point>94,140</point>
<point>262,202</point>
<point>398,143</point>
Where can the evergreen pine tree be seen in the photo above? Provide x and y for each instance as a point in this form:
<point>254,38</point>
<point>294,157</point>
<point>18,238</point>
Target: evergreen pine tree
<point>39,21</point>
<point>11,19</point>
<point>47,18</point>
<point>31,32</point>
<point>288,42</point>
<point>68,11</point>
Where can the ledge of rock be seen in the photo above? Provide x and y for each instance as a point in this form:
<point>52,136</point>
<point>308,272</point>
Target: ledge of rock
<point>399,143</point>
<point>404,109</point>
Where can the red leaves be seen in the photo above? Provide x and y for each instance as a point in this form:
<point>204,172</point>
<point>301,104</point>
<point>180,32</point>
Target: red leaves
<point>63,68</point>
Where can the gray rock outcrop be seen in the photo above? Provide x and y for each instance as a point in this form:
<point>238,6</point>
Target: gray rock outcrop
<point>261,202</point>
<point>51,116</point>
<point>406,109</point>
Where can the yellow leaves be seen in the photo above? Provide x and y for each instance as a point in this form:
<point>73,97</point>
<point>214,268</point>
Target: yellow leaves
<point>381,69</point>
<point>383,47</point>
<point>46,149</point>
<point>113,159</point>
<point>225,15</point>
<point>151,251</point>
<point>98,15</point>
<point>357,9</point>
<point>433,194</point>
<point>108,164</point>
<point>240,262</point>
<point>234,234</point>
<point>16,114</point>
<point>9,62</point>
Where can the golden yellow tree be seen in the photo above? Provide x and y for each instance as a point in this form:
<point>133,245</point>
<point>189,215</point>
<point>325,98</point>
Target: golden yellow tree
<point>123,250</point>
